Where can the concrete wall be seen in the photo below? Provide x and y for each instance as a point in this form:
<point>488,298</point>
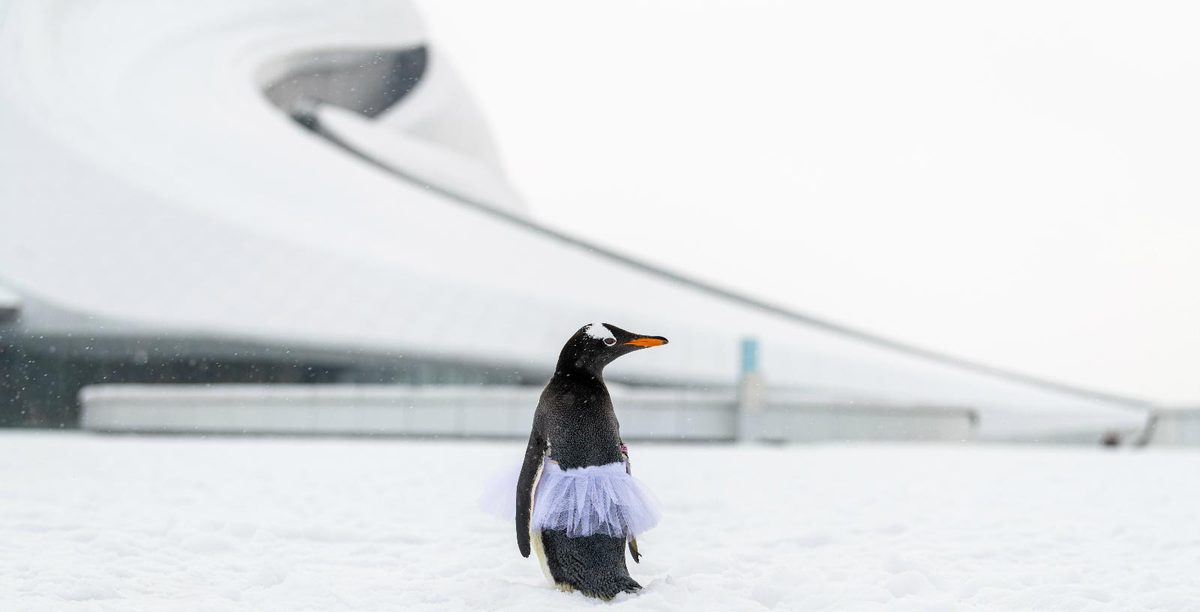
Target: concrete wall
<point>1176,427</point>
<point>646,414</point>
<point>813,422</point>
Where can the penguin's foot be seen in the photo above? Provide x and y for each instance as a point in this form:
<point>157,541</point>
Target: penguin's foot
<point>633,550</point>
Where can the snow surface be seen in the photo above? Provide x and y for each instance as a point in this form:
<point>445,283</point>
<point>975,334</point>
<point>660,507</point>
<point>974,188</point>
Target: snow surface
<point>164,524</point>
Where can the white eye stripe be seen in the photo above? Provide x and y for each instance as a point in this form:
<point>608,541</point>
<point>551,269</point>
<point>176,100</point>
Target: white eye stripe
<point>599,331</point>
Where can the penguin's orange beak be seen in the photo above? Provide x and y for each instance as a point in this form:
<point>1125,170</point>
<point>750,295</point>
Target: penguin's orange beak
<point>647,341</point>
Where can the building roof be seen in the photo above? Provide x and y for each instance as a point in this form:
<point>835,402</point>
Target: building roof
<point>149,184</point>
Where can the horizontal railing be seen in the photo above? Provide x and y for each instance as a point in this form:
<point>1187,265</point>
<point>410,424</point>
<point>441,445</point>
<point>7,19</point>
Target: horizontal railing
<point>492,412</point>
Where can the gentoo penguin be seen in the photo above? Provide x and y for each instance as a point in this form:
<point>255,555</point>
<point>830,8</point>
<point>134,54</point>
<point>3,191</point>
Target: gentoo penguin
<point>577,502</point>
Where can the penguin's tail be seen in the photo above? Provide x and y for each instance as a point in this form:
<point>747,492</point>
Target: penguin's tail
<point>593,565</point>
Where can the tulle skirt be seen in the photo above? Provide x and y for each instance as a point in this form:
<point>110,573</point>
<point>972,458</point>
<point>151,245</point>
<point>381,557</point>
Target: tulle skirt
<point>580,501</point>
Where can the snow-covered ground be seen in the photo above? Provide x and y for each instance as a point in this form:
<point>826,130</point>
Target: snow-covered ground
<point>164,524</point>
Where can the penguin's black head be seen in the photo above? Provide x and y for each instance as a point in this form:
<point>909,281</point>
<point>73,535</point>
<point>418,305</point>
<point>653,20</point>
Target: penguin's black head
<point>595,345</point>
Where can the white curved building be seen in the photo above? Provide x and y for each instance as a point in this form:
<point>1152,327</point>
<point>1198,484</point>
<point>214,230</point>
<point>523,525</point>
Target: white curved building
<point>282,191</point>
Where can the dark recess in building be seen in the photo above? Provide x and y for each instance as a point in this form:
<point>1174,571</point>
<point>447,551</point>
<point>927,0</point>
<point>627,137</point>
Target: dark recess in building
<point>366,82</point>
<point>39,385</point>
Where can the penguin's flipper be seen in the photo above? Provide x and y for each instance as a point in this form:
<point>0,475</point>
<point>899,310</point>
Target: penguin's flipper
<point>525,489</point>
<point>633,551</point>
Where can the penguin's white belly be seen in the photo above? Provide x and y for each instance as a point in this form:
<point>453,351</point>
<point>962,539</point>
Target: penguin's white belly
<point>535,540</point>
<point>535,535</point>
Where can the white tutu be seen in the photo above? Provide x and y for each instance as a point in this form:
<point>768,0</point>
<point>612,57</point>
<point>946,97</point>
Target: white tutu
<point>580,501</point>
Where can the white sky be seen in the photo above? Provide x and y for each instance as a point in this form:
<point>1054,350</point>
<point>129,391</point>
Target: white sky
<point>1015,182</point>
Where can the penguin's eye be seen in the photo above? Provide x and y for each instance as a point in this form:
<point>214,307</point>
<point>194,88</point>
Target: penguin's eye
<point>610,341</point>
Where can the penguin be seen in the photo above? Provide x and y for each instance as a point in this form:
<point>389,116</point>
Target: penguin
<point>578,506</point>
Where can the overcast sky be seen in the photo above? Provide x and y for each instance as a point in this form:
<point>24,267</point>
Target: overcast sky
<point>1017,183</point>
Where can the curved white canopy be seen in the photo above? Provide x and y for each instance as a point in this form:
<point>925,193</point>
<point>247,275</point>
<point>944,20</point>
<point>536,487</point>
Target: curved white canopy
<point>147,182</point>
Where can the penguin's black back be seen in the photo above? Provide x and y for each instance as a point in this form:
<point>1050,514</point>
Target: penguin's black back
<point>576,418</point>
